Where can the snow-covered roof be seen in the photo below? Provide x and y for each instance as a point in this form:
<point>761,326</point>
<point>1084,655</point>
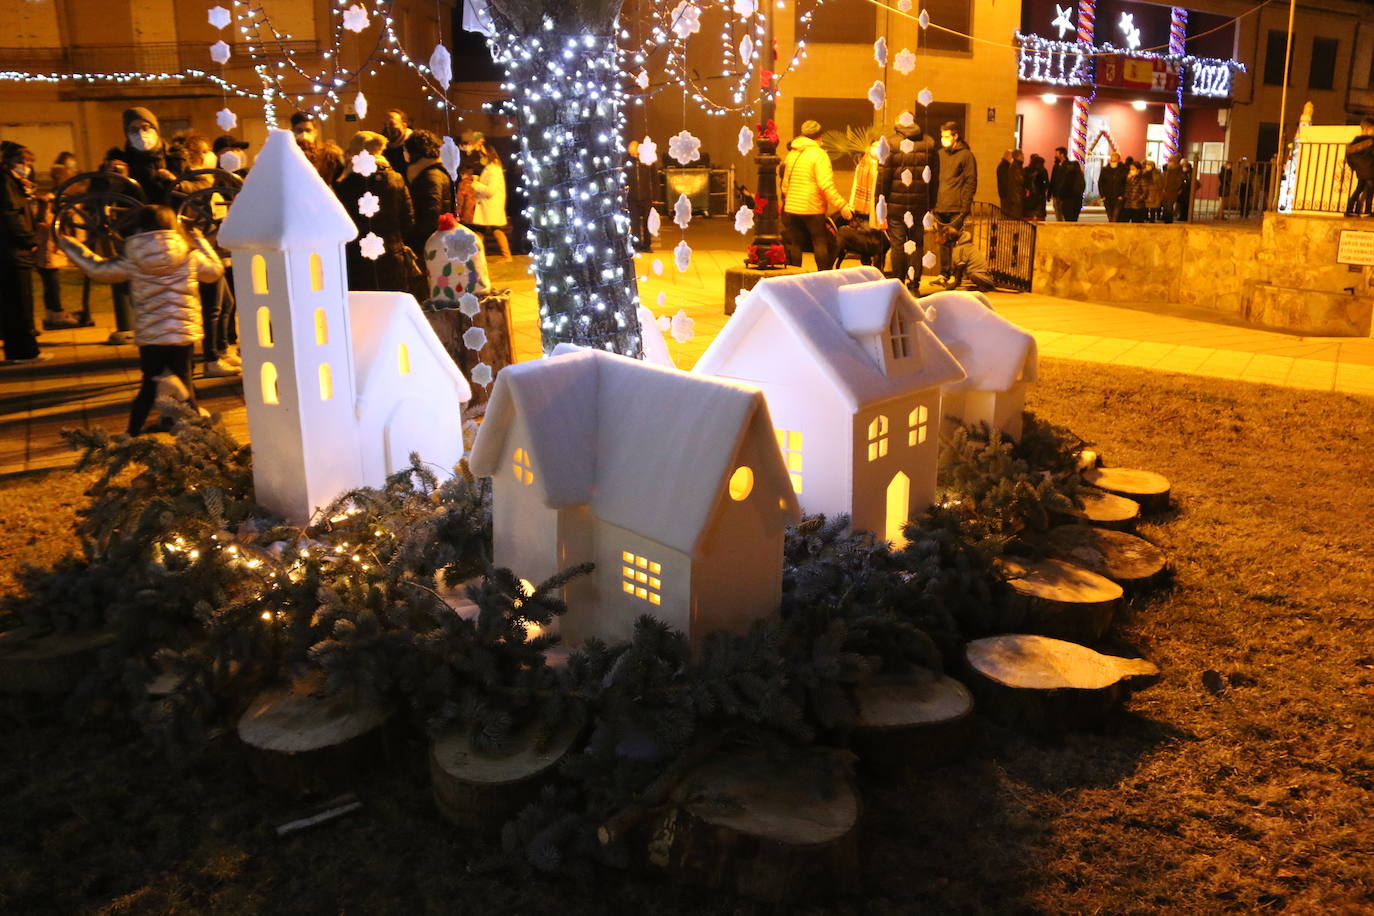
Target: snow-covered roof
<point>834,314</point>
<point>284,204</point>
<point>377,324</point>
<point>648,448</point>
<point>994,352</point>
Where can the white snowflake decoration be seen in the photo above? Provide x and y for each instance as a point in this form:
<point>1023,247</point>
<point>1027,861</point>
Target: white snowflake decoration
<point>909,247</point>
<point>904,62</point>
<point>877,94</point>
<point>906,119</point>
<point>474,338</point>
<point>880,210</point>
<point>904,5</point>
<point>682,211</point>
<point>927,221</point>
<point>365,163</point>
<point>661,300</point>
<point>908,219</point>
<point>655,221</point>
<point>925,174</point>
<point>686,19</point>
<point>441,65</point>
<point>746,50</point>
<point>907,145</point>
<point>468,305</point>
<point>745,142</point>
<point>745,8</point>
<point>648,151</point>
<point>369,204</point>
<point>461,245</point>
<point>355,18</point>
<point>1064,21</point>
<point>217,16</point>
<point>925,98</point>
<point>744,220</point>
<point>924,19</point>
<point>884,148</point>
<point>682,256</point>
<point>219,52</point>
<point>928,261</point>
<point>226,119</point>
<point>371,246</point>
<point>481,374</point>
<point>642,79</point>
<point>658,267</point>
<point>663,322</point>
<point>906,177</point>
<point>451,157</point>
<point>684,147</point>
<point>683,326</point>
<point>360,105</point>
<point>880,51</point>
<point>930,313</point>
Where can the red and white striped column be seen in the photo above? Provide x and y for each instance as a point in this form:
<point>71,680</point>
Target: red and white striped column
<point>1178,37</point>
<point>1078,129</point>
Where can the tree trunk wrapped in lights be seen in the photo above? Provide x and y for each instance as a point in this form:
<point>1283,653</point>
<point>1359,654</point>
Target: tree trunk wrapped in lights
<point>563,73</point>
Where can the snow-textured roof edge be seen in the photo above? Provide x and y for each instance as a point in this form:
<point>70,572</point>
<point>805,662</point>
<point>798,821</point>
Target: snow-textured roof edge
<point>284,204</point>
<point>372,330</point>
<point>995,353</point>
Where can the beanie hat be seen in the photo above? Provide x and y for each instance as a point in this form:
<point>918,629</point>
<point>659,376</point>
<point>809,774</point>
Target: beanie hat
<point>140,114</point>
<point>811,128</point>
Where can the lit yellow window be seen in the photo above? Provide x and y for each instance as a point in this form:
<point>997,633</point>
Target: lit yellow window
<point>403,359</point>
<point>270,394</point>
<point>877,438</point>
<point>916,422</point>
<point>524,470</point>
<point>264,326</point>
<point>741,483</point>
<point>790,443</point>
<point>639,576</point>
<point>899,337</point>
<point>321,328</point>
<point>259,269</point>
<point>316,273</point>
<point>326,382</point>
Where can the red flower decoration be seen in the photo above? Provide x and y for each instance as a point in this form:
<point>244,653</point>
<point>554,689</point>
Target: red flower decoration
<point>765,79</point>
<point>769,132</point>
<point>760,204</point>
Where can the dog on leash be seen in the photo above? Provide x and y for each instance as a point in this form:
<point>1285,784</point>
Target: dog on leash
<point>870,246</point>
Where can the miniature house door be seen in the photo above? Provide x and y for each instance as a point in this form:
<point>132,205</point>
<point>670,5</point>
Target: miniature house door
<point>898,508</point>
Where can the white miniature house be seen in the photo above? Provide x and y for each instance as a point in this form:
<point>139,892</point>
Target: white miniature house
<point>852,374</point>
<point>340,387</point>
<point>999,358</point>
<point>670,483</point>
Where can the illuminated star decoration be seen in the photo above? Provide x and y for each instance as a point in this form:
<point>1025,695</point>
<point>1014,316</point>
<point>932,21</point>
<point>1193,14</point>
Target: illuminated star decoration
<point>218,17</point>
<point>371,246</point>
<point>219,52</point>
<point>481,374</point>
<point>451,157</point>
<point>1132,33</point>
<point>682,256</point>
<point>682,327</point>
<point>364,163</point>
<point>683,147</point>
<point>226,119</point>
<point>746,141</point>
<point>745,8</point>
<point>904,62</point>
<point>355,18</point>
<point>441,65</point>
<point>360,105</point>
<point>877,94</point>
<point>1064,21</point>
<point>474,338</point>
<point>744,220</point>
<point>925,98</point>
<point>654,221</point>
<point>880,51</point>
<point>686,19</point>
<point>648,151</point>
<point>682,211</point>
<point>369,204</point>
<point>468,305</point>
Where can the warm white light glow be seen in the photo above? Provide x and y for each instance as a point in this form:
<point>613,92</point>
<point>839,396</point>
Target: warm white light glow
<point>270,395</point>
<point>524,470</point>
<point>1139,105</point>
<point>264,326</point>
<point>1049,98</point>
<point>259,266</point>
<point>741,483</point>
<point>316,273</point>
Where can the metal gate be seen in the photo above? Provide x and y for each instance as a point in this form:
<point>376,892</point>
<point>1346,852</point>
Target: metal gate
<point>1008,244</point>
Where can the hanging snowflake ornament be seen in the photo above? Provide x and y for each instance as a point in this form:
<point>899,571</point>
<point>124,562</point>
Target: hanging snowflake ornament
<point>682,256</point>
<point>217,16</point>
<point>904,5</point>
<point>682,211</point>
<point>226,119</point>
<point>642,79</point>
<point>369,204</point>
<point>219,52</point>
<point>925,174</point>
<point>877,94</point>
<point>909,246</point>
<point>925,98</point>
<point>658,267</point>
<point>360,105</point>
<point>662,300</point>
<point>365,163</point>
<point>468,305</point>
<point>904,62</point>
<point>441,65</point>
<point>648,151</point>
<point>664,323</point>
<point>745,142</point>
<point>907,145</point>
<point>906,177</point>
<point>745,8</point>
<point>928,260</point>
<point>884,148</point>
<point>481,374</point>
<point>474,338</point>
<point>686,19</point>
<point>683,147</point>
<point>355,18</point>
<point>906,119</point>
<point>371,246</point>
<point>908,219</point>
<point>880,51</point>
<point>880,209</point>
<point>924,19</point>
<point>683,326</point>
<point>450,156</point>
<point>927,221</point>
<point>746,50</point>
<point>655,222</point>
<point>461,245</point>
<point>744,220</point>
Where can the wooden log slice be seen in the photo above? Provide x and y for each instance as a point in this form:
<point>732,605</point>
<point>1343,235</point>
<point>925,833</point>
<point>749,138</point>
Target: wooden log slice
<point>50,664</point>
<point>775,831</point>
<point>298,741</point>
<point>1149,489</point>
<point>912,725</point>
<point>1129,561</point>
<point>479,793</point>
<point>1049,686</point>
<point>1060,599</point>
<point>1106,510</point>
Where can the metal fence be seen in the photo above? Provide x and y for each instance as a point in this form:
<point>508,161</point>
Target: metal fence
<point>1232,190</point>
<point>1008,244</point>
<point>1318,180</point>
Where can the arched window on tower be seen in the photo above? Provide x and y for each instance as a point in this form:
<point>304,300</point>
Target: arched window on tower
<point>259,270</point>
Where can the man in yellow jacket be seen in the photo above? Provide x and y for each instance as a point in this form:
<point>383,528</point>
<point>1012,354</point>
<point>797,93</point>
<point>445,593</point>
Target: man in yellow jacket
<point>807,186</point>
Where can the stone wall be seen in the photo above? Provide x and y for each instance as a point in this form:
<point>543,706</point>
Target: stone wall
<point>1282,274</point>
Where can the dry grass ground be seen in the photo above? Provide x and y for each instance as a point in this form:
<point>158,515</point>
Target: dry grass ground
<point>1249,795</point>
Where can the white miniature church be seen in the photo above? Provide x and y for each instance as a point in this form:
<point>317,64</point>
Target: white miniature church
<point>852,374</point>
<point>341,387</point>
<point>999,358</point>
<point>670,483</point>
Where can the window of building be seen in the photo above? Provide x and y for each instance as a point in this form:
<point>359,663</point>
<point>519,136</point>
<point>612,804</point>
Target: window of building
<point>1321,71</point>
<point>264,326</point>
<point>916,424</point>
<point>790,444</point>
<point>1266,144</point>
<point>1273,57</point>
<point>741,483</point>
<point>877,438</point>
<point>270,393</point>
<point>524,469</point>
<point>321,328</point>
<point>316,273</point>
<point>899,336</point>
<point>937,113</point>
<point>326,382</point>
<point>837,23</point>
<point>955,15</point>
<point>639,576</point>
<point>403,359</point>
<point>259,270</point>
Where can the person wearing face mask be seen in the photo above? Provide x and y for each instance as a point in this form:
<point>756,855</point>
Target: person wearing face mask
<point>1111,184</point>
<point>1066,186</point>
<point>396,130</point>
<point>325,155</point>
<point>145,155</point>
<point>958,180</point>
<point>18,249</point>
<point>230,155</point>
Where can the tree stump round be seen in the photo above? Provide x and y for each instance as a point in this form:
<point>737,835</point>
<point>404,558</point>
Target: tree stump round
<point>1147,488</point>
<point>1048,686</point>
<point>1106,510</point>
<point>50,664</point>
<point>780,831</point>
<point>1130,561</point>
<point>305,743</point>
<point>1060,599</point>
<point>479,792</point>
<point>912,725</point>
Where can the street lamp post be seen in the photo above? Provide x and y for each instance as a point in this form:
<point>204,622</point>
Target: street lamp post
<point>766,238</point>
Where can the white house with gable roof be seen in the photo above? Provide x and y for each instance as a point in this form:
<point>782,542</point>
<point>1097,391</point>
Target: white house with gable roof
<point>999,358</point>
<point>341,387</point>
<point>670,483</point>
<point>852,374</point>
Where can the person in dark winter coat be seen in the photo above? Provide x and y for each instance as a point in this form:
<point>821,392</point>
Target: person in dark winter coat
<point>1037,187</point>
<point>325,155</point>
<point>1172,185</point>
<point>1011,184</point>
<point>18,251</point>
<point>1359,155</point>
<point>396,268</point>
<point>1067,186</point>
<point>397,130</point>
<point>902,187</point>
<point>1154,190</point>
<point>1111,184</point>
<point>1136,197</point>
<point>431,188</point>
<point>966,261</point>
<point>145,155</point>
<point>641,185</point>
<point>958,181</point>
<point>1184,201</point>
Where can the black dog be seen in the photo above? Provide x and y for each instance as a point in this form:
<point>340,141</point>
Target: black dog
<point>870,246</point>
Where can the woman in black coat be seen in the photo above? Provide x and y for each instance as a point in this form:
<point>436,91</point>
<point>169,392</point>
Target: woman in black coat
<point>396,268</point>
<point>431,188</point>
<point>1037,187</point>
<point>18,248</point>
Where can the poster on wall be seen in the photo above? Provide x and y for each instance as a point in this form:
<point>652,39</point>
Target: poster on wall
<point>1147,74</point>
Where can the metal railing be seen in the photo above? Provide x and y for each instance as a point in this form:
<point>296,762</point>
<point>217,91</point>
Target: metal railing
<point>1008,244</point>
<point>1317,180</point>
<point>1232,190</point>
